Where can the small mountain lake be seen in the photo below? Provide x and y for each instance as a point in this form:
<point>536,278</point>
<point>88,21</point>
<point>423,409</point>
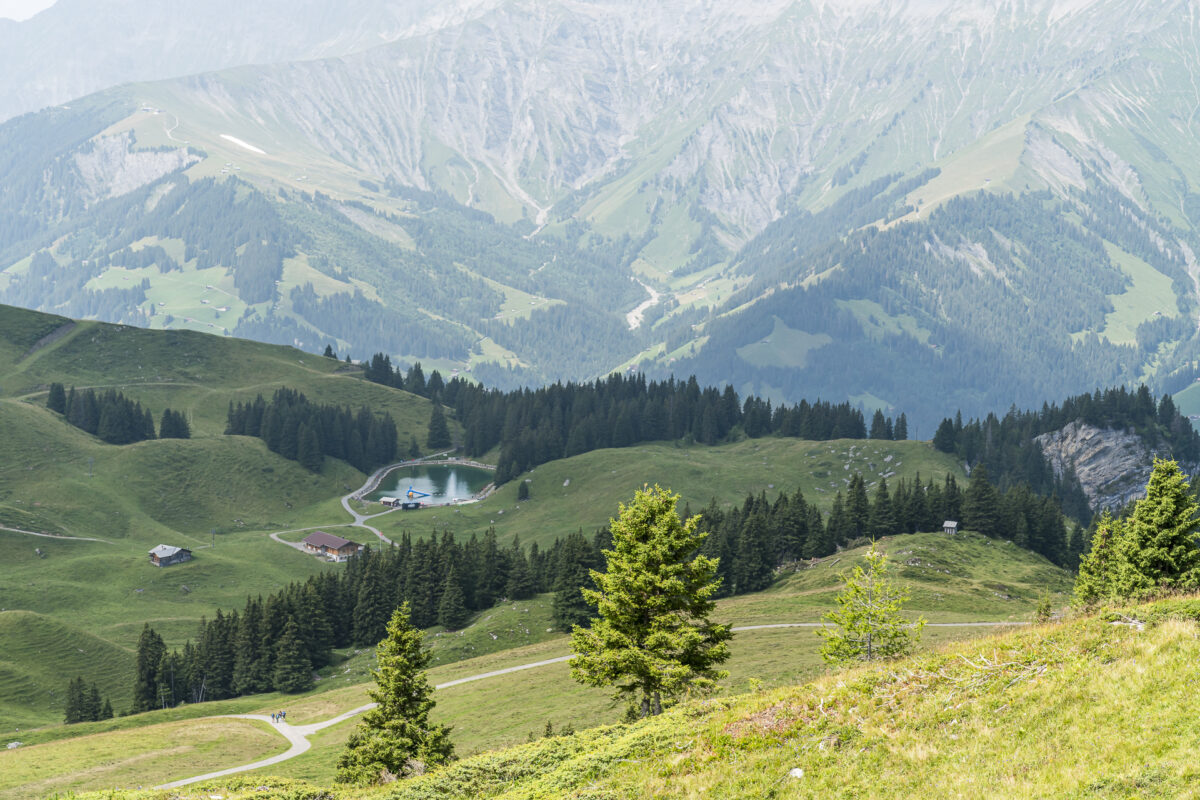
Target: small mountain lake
<point>445,483</point>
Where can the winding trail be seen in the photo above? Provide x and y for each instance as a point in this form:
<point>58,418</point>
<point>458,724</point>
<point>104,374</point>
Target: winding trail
<point>298,735</point>
<point>54,535</point>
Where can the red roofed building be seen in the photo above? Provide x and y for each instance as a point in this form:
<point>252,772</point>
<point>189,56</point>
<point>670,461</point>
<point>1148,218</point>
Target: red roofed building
<point>335,548</point>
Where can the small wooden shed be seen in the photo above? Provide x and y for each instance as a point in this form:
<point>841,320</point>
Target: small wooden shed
<point>950,527</point>
<point>165,555</point>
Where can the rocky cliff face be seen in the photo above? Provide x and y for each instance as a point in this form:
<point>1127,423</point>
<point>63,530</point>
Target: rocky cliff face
<point>1112,466</point>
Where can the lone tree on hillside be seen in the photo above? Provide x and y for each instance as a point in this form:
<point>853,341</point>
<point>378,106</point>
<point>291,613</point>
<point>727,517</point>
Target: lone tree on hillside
<point>653,639</point>
<point>396,738</point>
<point>1155,549</point>
<point>867,625</point>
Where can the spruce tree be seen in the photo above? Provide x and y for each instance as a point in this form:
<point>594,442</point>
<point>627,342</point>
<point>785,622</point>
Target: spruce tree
<point>56,400</point>
<point>308,449</point>
<point>573,574</point>
<point>1097,568</point>
<point>1157,549</point>
<point>396,738</point>
<point>879,426</point>
<point>439,433</point>
<point>150,650</point>
<point>652,638</point>
<point>293,670</point>
<point>867,624</point>
<point>520,585</point>
<point>452,609</point>
<point>858,506</point>
<point>73,710</point>
<point>882,520</point>
<point>981,504</point>
<point>91,704</point>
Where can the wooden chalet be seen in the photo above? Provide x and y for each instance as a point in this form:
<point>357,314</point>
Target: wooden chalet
<point>335,548</point>
<point>165,555</point>
<point>950,527</point>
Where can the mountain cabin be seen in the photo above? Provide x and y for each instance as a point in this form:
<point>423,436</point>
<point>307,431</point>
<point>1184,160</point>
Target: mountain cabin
<point>165,555</point>
<point>335,548</point>
<point>950,527</point>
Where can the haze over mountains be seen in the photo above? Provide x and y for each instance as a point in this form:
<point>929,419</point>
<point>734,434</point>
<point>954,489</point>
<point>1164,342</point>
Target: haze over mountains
<point>973,204</point>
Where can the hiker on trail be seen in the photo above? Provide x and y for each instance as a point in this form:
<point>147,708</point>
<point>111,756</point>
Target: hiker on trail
<point>272,718</point>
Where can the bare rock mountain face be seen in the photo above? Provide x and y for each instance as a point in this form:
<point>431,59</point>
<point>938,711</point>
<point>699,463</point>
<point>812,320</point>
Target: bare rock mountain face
<point>1112,466</point>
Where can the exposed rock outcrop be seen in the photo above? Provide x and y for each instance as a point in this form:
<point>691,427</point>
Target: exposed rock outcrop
<point>1112,466</point>
<point>110,166</point>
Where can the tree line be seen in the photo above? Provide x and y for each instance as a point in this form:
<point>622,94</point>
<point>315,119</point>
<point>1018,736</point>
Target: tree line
<point>754,540</point>
<point>83,703</point>
<point>112,417</point>
<point>534,426</point>
<point>300,430</point>
<point>274,644</point>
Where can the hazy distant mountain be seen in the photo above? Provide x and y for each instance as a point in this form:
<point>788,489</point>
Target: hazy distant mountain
<point>81,46</point>
<point>971,203</point>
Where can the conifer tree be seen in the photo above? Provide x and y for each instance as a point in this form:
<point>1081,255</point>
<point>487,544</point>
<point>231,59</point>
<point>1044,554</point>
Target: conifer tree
<point>858,506</point>
<point>73,710</point>
<point>1157,549</point>
<point>867,624</point>
<point>56,400</point>
<point>293,670</point>
<point>981,504</point>
<point>308,449</point>
<point>653,638</point>
<point>396,738</point>
<point>883,517</point>
<point>573,573</point>
<point>439,433</point>
<point>452,609</point>
<point>1098,566</point>
<point>150,650</point>
<point>520,585</point>
<point>92,704</point>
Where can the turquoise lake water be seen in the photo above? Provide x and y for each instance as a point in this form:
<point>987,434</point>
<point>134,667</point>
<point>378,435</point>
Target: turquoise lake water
<point>445,483</point>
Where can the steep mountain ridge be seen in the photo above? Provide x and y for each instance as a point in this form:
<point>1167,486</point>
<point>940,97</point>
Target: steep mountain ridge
<point>795,185</point>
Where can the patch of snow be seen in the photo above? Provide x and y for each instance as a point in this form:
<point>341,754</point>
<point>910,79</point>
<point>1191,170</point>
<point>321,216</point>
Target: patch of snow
<point>243,144</point>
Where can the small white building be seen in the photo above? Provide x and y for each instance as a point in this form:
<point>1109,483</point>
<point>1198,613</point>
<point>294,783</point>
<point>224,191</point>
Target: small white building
<point>950,527</point>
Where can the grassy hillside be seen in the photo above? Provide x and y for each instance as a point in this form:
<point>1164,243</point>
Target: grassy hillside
<point>516,704</point>
<point>33,641</point>
<point>583,491</point>
<point>1082,708</point>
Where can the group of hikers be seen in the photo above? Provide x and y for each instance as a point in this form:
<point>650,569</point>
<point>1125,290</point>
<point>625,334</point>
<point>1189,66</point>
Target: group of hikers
<point>279,716</point>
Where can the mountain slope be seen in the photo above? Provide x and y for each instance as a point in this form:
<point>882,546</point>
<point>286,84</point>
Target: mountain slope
<point>1015,715</point>
<point>793,185</point>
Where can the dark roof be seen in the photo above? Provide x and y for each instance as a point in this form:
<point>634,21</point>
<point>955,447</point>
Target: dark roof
<point>323,539</point>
